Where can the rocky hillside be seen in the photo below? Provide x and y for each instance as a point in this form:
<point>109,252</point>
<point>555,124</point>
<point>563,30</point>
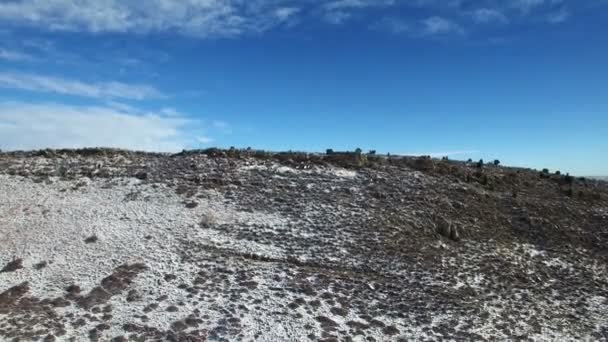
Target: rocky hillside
<point>248,245</point>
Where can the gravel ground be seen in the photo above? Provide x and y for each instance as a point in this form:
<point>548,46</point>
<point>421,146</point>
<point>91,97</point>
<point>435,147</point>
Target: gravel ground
<point>196,247</point>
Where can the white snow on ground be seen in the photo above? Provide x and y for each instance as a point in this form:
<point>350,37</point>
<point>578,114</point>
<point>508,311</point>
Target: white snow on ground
<point>281,169</point>
<point>50,223</point>
<point>134,223</point>
<point>145,223</point>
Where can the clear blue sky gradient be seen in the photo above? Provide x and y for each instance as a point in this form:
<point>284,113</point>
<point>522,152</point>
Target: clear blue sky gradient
<point>527,90</point>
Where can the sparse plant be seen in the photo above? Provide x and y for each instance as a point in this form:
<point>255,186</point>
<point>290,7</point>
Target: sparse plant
<point>484,180</point>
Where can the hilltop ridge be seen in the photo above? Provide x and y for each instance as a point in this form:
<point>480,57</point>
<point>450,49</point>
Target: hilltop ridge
<point>253,245</point>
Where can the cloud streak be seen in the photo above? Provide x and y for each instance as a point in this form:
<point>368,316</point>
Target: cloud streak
<point>26,126</point>
<point>62,86</point>
<point>15,56</point>
<point>205,18</point>
<point>438,25</point>
<point>229,18</point>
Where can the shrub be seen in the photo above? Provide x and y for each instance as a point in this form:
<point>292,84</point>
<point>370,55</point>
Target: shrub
<point>480,163</point>
<point>372,152</point>
<point>329,151</point>
<point>496,162</point>
<point>358,151</point>
<point>546,171</point>
<point>557,173</point>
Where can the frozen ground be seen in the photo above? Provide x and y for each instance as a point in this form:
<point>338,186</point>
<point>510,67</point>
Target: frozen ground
<point>282,254</point>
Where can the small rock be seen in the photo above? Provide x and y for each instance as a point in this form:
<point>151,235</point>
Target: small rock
<point>191,205</point>
<point>91,239</point>
<point>12,266</point>
<point>141,175</point>
<point>40,265</point>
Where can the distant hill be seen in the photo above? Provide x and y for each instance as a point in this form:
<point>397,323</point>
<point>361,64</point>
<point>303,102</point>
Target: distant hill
<point>604,178</point>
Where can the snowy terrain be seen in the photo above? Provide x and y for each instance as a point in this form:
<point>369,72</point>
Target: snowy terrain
<point>272,252</point>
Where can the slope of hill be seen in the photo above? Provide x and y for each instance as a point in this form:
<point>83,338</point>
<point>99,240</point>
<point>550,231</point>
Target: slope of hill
<point>244,245</point>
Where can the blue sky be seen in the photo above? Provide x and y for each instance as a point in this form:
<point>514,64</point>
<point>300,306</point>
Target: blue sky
<point>524,81</point>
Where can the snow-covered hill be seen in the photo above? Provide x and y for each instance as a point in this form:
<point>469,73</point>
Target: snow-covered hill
<point>114,245</point>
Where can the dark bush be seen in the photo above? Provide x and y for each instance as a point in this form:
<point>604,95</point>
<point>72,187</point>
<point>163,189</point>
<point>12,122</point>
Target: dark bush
<point>496,162</point>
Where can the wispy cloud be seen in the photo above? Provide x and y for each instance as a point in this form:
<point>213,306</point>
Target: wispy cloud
<point>106,90</point>
<point>486,16</point>
<point>438,25</point>
<point>222,126</point>
<point>339,11</point>
<point>206,18</point>
<point>558,17</point>
<point>15,56</point>
<point>229,18</point>
<point>526,6</point>
<point>25,126</point>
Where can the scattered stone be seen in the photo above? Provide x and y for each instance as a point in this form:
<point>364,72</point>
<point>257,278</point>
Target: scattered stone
<point>191,205</point>
<point>12,266</point>
<point>141,175</point>
<point>40,265</point>
<point>91,239</point>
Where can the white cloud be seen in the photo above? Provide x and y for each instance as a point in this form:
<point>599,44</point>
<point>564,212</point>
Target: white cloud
<point>63,86</point>
<point>226,18</point>
<point>196,17</point>
<point>486,15</point>
<point>25,126</point>
<point>527,5</point>
<point>345,4</point>
<point>284,13</point>
<point>337,17</point>
<point>222,126</point>
<point>204,140</point>
<point>15,56</point>
<point>438,25</point>
<point>558,17</point>
<point>339,11</point>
